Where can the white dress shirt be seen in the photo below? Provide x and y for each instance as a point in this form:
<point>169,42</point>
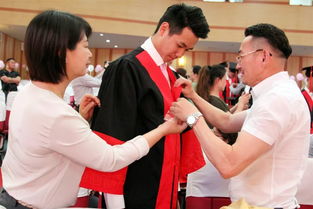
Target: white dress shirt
<point>279,117</point>
<point>149,47</point>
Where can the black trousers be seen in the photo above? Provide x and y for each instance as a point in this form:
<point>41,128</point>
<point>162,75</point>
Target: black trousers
<point>9,202</point>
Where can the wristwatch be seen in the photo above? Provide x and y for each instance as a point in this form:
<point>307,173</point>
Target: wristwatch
<point>192,119</point>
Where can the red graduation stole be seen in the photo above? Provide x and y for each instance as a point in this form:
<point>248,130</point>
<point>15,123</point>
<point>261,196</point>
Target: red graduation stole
<point>179,159</point>
<point>309,101</point>
<point>108,182</point>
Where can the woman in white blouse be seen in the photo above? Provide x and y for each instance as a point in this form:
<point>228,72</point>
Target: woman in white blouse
<point>50,144</point>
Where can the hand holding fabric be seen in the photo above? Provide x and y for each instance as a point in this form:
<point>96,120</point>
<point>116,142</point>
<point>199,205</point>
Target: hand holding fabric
<point>182,109</point>
<point>87,105</point>
<point>186,85</point>
<point>173,126</point>
<point>243,102</point>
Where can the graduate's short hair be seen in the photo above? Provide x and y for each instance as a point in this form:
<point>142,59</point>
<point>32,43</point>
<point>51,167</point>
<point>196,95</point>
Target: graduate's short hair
<point>180,16</point>
<point>275,37</point>
<point>47,38</point>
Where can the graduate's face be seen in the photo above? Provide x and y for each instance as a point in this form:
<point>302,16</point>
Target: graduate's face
<point>77,60</point>
<point>173,46</point>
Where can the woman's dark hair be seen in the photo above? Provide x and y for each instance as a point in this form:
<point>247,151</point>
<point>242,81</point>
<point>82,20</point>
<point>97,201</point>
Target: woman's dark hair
<point>275,37</point>
<point>47,38</point>
<point>180,16</point>
<point>207,77</point>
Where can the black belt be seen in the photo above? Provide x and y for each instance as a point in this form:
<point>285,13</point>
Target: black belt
<point>10,202</point>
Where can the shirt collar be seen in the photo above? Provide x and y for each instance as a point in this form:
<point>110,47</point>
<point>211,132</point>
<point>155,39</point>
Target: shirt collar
<point>268,83</point>
<point>154,54</point>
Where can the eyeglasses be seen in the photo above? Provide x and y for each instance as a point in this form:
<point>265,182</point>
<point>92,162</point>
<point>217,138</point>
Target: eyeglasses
<point>238,58</point>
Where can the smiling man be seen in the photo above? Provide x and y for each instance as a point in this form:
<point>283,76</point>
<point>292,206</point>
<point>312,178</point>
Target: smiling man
<point>136,93</point>
<point>267,161</point>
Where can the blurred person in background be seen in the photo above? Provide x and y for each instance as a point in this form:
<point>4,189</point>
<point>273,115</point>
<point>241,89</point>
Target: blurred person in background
<point>194,76</point>
<point>9,77</point>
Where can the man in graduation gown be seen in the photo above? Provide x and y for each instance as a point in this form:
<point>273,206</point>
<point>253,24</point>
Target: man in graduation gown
<point>136,93</point>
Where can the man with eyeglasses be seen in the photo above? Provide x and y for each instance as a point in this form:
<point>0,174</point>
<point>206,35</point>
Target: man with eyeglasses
<point>268,159</point>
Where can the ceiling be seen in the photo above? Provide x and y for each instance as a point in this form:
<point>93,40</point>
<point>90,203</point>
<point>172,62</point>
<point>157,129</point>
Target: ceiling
<point>131,42</point>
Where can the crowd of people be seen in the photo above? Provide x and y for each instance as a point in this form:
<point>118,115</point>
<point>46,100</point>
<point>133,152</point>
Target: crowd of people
<point>149,125</point>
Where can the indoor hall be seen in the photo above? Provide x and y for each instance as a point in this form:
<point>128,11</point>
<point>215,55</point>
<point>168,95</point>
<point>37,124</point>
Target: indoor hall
<point>119,27</point>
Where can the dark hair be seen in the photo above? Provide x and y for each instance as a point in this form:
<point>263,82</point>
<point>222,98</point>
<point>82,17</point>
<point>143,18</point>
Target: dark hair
<point>47,38</point>
<point>224,64</point>
<point>180,16</point>
<point>196,69</point>
<point>182,72</point>
<point>207,77</point>
<point>275,36</point>
<point>9,59</point>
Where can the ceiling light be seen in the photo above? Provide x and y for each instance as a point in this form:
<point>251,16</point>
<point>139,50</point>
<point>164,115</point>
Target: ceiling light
<point>101,34</point>
<point>214,0</point>
<point>108,41</point>
<point>182,61</point>
<point>115,46</point>
<point>301,2</point>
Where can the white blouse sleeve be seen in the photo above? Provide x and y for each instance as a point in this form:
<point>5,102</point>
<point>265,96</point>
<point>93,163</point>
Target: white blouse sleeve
<point>72,137</point>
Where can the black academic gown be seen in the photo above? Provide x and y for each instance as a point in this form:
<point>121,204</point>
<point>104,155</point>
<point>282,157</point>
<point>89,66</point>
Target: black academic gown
<point>135,96</point>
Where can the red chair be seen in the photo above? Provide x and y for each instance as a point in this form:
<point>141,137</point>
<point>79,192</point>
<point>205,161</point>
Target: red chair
<point>306,206</point>
<point>198,203</point>
<point>81,202</point>
<point>3,130</point>
<point>2,112</point>
<point>218,202</point>
<point>6,122</point>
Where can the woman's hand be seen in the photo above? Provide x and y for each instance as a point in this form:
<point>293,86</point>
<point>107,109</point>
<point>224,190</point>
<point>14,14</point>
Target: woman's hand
<point>182,109</point>
<point>173,126</point>
<point>87,105</point>
<point>186,85</point>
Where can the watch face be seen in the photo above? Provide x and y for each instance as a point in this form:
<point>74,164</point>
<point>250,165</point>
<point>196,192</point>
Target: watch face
<point>191,120</point>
